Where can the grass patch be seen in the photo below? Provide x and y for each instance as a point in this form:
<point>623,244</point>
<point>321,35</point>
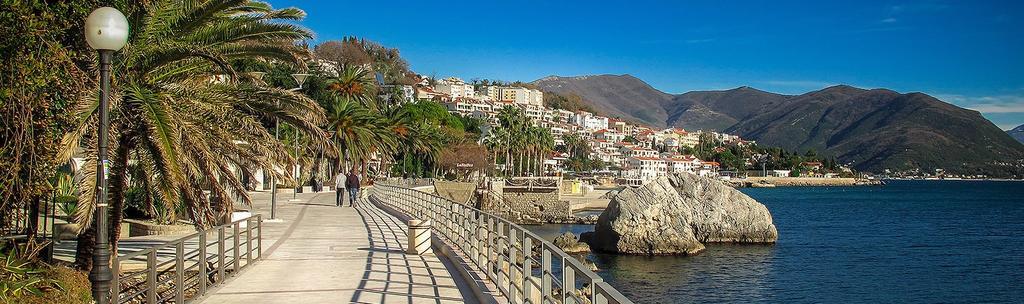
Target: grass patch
<point>74,287</point>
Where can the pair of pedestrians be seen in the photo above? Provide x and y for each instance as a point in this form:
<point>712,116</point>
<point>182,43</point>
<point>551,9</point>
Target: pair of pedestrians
<point>349,182</point>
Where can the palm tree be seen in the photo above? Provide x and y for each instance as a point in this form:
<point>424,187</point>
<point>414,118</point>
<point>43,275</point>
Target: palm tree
<point>355,83</point>
<point>187,116</point>
<point>356,131</point>
<point>495,141</point>
<point>545,144</point>
<point>513,120</point>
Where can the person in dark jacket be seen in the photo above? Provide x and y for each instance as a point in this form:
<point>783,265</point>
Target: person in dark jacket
<point>352,184</point>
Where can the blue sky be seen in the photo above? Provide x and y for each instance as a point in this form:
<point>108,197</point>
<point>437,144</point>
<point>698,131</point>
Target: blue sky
<point>970,53</point>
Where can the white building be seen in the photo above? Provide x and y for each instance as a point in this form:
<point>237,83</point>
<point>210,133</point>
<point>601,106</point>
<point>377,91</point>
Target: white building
<point>589,121</point>
<point>645,168</point>
<point>684,163</point>
<point>514,94</point>
<point>455,87</point>
<point>534,112</point>
<point>609,135</point>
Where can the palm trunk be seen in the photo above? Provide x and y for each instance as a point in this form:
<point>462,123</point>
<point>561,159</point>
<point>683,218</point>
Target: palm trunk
<point>85,248</point>
<point>495,153</point>
<point>508,162</point>
<point>117,187</point>
<point>33,218</point>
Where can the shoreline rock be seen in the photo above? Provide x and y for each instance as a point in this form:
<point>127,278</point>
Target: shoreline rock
<point>569,243</point>
<point>678,214</point>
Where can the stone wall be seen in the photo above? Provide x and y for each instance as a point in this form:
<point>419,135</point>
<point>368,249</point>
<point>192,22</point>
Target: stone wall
<point>545,206</point>
<point>139,228</point>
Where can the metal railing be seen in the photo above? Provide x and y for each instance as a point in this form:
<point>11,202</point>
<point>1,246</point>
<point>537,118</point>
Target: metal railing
<point>525,267</point>
<point>534,182</point>
<point>185,268</point>
<point>408,182</point>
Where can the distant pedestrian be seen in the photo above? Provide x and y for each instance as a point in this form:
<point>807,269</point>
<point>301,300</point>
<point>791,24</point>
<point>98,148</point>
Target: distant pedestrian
<point>352,183</point>
<point>339,188</point>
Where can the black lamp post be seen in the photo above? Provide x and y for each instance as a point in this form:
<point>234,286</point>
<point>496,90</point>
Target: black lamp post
<point>106,31</point>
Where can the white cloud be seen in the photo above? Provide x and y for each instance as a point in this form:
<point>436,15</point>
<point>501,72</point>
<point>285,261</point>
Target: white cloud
<point>987,104</point>
<point>888,20</point>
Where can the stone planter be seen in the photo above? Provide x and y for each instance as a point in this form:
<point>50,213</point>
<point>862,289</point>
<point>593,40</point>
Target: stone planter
<point>307,189</point>
<point>140,228</point>
<point>65,231</point>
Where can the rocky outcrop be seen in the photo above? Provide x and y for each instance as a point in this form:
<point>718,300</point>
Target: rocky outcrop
<point>569,243</point>
<point>677,215</point>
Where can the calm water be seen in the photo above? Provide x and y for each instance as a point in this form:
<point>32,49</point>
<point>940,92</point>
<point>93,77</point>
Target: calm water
<point>909,241</point>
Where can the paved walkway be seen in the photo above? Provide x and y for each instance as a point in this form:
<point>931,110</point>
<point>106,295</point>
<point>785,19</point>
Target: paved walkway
<point>321,253</point>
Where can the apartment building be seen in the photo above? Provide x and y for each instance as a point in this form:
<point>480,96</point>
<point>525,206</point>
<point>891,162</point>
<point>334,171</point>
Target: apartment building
<point>645,168</point>
<point>589,121</point>
<point>514,94</point>
<point>455,87</point>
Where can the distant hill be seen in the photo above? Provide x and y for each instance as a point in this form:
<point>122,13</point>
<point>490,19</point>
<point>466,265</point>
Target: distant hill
<point>719,110</point>
<point>874,129</point>
<point>1017,133</point>
<point>622,96</point>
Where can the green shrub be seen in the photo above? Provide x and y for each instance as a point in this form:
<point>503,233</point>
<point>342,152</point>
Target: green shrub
<point>20,275</point>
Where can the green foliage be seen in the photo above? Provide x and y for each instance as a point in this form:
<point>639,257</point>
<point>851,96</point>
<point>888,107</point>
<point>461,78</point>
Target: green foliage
<point>43,71</point>
<point>169,116</point>
<point>566,101</point>
<point>353,51</point>
<point>65,193</point>
<point>19,274</point>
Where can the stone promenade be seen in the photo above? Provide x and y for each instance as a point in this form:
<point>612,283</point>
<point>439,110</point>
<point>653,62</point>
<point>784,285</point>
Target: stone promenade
<point>320,253</point>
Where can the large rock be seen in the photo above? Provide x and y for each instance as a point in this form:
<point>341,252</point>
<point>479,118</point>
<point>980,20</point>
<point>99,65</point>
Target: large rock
<point>678,214</point>
<point>569,243</point>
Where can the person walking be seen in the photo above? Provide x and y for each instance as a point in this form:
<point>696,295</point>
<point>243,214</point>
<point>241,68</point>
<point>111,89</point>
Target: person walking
<point>352,184</point>
<point>339,188</point>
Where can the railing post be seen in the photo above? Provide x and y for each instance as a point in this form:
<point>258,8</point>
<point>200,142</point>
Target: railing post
<point>527,268</point>
<point>545,274</point>
<point>593,291</point>
<point>491,261</point>
<point>179,273</point>
<point>248,241</point>
<point>234,250</point>
<point>151,278</point>
<point>481,241</point>
<point>115,283</point>
<point>568,280</point>
<point>259,237</point>
<point>513,268</point>
<point>220,254</point>
<point>204,271</point>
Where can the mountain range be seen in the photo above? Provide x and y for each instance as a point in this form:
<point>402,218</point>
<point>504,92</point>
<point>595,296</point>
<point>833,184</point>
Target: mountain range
<point>874,129</point>
<point>1017,133</point>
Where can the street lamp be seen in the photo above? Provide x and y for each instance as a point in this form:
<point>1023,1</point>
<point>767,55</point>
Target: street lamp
<point>299,79</point>
<point>106,31</point>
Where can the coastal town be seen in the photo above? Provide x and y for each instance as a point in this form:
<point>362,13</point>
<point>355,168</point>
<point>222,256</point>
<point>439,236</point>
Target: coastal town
<point>247,151</point>
<point>631,153</point>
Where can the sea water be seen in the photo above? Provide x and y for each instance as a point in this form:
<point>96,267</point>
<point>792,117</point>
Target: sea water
<point>906,242</point>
